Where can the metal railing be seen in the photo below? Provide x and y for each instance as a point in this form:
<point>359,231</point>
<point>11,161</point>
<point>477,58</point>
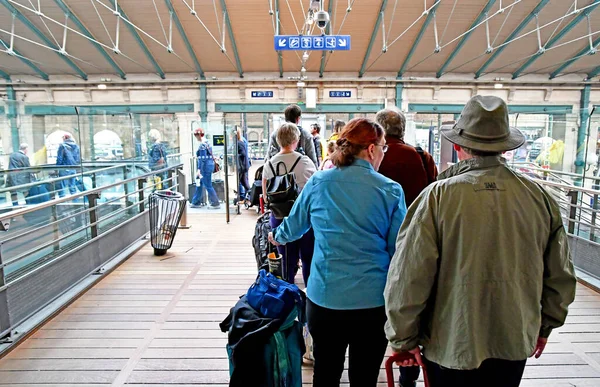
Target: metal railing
<point>45,233</point>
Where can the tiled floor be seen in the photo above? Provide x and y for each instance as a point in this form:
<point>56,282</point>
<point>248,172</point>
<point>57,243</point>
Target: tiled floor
<point>154,321</point>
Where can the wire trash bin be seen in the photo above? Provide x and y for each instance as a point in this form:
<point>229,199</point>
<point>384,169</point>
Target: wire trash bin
<point>166,209</point>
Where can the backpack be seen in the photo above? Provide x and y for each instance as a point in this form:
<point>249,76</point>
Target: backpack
<point>282,190</point>
<point>421,153</point>
<point>260,241</point>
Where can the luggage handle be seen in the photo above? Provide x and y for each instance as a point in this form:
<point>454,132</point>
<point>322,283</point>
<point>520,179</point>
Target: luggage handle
<point>400,357</point>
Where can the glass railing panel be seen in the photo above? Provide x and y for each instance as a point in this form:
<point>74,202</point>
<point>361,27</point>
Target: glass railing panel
<point>39,236</point>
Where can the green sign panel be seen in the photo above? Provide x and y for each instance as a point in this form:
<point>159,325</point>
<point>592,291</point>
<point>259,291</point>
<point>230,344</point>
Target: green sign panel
<point>219,140</point>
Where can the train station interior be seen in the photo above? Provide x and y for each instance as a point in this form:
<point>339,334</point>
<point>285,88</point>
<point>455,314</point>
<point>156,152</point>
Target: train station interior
<point>84,298</point>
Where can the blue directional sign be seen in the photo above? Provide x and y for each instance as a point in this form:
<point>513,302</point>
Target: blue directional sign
<point>262,94</point>
<point>312,43</point>
<point>340,94</point>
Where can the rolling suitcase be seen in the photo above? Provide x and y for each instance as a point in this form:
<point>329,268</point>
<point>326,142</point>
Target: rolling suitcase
<point>397,357</point>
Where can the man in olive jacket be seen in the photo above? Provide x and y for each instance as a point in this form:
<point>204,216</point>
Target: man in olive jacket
<point>482,271</point>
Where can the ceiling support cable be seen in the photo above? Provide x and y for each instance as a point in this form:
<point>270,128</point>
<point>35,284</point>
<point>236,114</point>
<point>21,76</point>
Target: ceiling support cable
<point>435,33</point>
<point>63,49</point>
<point>539,34</point>
<point>102,21</point>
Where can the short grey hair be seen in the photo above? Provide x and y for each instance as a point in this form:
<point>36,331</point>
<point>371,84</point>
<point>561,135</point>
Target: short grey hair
<point>393,122</point>
<point>23,146</point>
<point>287,134</point>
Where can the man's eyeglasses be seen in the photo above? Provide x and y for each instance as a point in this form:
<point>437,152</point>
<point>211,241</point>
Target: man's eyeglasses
<point>384,147</point>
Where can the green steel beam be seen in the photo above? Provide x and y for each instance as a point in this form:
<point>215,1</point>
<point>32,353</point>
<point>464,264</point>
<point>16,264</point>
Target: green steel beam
<point>584,116</point>
<point>457,108</point>
<point>29,63</point>
<point>373,37</point>
<point>87,33</point>
<point>232,39</point>
<point>203,103</point>
<point>512,36</point>
<point>278,108</point>
<point>399,89</point>
<point>327,32</point>
<point>5,76</point>
<point>43,38</point>
<point>415,44</point>
<point>186,41</point>
<point>556,38</point>
<point>277,32</point>
<point>11,101</point>
<point>482,15</point>
<point>43,110</point>
<point>595,72</point>
<point>139,40</point>
<point>585,52</point>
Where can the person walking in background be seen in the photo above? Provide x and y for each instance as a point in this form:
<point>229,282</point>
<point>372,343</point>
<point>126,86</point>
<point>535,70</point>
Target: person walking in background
<point>337,129</point>
<point>306,146</point>
<point>413,168</point>
<point>327,163</point>
<point>355,213</point>
<point>302,167</point>
<point>18,160</point>
<point>206,167</point>
<point>315,131</point>
<point>157,156</point>
<point>482,273</point>
<point>243,165</point>
<point>68,154</point>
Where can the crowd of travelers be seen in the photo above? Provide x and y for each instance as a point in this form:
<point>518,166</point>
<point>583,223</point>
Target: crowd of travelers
<point>445,267</point>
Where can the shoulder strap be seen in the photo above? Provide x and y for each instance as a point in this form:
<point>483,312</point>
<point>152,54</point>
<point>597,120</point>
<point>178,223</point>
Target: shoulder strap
<point>284,166</point>
<point>272,169</point>
<point>296,163</point>
<point>421,153</point>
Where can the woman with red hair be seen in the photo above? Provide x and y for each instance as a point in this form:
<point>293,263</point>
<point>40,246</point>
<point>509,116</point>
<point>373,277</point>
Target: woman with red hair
<point>355,213</point>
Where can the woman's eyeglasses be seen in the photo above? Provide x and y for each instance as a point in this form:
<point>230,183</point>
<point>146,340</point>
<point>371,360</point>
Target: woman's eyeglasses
<point>384,147</point>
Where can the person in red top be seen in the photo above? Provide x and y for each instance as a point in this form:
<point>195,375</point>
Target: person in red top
<point>413,168</point>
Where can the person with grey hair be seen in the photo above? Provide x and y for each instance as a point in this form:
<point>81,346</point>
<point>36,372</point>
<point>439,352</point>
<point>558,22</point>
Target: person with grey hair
<point>411,167</point>
<point>303,168</point>
<point>482,272</point>
<point>306,146</point>
<point>18,160</point>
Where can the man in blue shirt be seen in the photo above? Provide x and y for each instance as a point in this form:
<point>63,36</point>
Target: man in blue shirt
<point>68,154</point>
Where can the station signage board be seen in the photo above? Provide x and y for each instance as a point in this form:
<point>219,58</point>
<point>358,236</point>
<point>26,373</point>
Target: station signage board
<point>312,43</point>
<point>262,94</point>
<point>340,94</point>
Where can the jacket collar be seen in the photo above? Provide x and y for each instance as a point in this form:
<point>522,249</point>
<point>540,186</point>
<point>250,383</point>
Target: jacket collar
<point>472,164</point>
<point>362,163</point>
<point>393,140</point>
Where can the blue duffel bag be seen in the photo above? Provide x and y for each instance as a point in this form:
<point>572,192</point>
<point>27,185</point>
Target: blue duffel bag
<point>273,297</point>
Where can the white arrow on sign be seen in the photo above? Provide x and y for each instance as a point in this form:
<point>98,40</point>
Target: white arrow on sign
<point>282,42</point>
<point>342,42</point>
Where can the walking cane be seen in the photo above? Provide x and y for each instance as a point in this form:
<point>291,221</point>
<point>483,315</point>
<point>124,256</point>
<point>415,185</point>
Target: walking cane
<point>400,357</point>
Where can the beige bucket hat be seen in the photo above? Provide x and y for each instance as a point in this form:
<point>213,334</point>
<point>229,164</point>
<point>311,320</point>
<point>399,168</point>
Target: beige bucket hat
<point>483,125</point>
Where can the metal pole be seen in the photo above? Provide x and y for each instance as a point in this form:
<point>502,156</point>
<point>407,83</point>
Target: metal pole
<point>182,188</point>
<point>93,215</point>
<point>141,194</point>
<point>594,209</point>
<point>572,211</point>
<point>4,315</point>
<point>55,229</point>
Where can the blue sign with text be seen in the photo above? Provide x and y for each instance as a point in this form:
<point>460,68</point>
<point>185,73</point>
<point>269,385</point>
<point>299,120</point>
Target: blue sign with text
<point>312,43</point>
<point>262,94</point>
<point>340,94</point>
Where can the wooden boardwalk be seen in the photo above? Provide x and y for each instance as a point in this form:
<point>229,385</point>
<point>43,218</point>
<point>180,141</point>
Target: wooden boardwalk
<point>154,321</point>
